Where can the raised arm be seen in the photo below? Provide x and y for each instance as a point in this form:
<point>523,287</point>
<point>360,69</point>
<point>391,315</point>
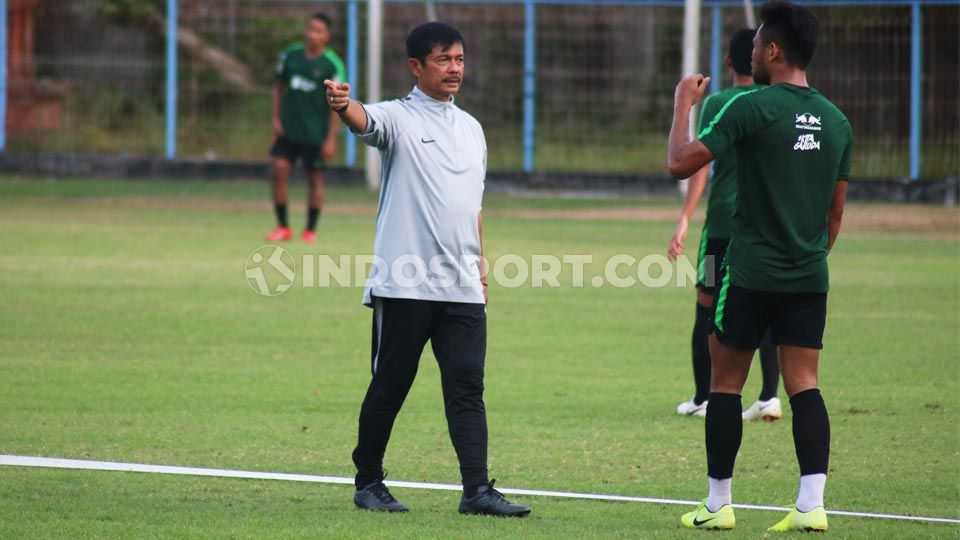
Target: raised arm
<point>686,156</point>
<point>350,111</point>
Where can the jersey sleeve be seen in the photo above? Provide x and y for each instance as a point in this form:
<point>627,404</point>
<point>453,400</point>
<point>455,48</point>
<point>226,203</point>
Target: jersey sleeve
<point>382,122</point>
<point>280,71</point>
<point>843,172</point>
<point>736,119</point>
<point>709,109</point>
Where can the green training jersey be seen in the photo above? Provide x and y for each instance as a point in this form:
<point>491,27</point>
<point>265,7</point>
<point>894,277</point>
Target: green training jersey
<point>723,178</point>
<point>303,111</point>
<point>792,146</point>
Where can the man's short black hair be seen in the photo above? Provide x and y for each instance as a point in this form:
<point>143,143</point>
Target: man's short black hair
<point>322,17</point>
<point>793,28</point>
<point>741,50</point>
<point>425,37</point>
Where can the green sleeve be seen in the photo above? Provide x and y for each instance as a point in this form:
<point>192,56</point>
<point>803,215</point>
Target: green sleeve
<point>280,71</point>
<point>843,173</point>
<point>736,119</point>
<point>709,109</point>
<point>341,71</point>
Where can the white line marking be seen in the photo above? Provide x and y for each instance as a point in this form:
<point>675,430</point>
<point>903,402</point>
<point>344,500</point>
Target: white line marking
<point>56,463</point>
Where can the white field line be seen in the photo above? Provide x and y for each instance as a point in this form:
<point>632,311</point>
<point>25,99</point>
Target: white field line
<point>56,463</point>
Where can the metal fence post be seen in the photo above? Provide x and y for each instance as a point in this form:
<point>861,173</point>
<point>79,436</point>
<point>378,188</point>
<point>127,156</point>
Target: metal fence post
<point>3,75</point>
<point>716,30</point>
<point>529,82</point>
<point>916,86</point>
<point>171,99</point>
<point>374,75</point>
<point>352,54</point>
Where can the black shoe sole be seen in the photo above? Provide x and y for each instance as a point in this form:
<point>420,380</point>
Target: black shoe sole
<point>517,515</point>
<point>386,510</point>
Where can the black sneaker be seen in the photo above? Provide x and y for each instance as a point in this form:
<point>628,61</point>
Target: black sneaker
<point>490,502</point>
<point>377,498</point>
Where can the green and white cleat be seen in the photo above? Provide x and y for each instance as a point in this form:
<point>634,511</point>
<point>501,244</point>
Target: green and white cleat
<point>812,521</point>
<point>701,518</point>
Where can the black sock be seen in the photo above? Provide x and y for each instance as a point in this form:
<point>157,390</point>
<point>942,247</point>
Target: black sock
<point>313,214</point>
<point>769,368</point>
<point>361,480</point>
<point>724,430</point>
<point>811,431</point>
<point>471,491</point>
<point>281,211</point>
<point>701,354</point>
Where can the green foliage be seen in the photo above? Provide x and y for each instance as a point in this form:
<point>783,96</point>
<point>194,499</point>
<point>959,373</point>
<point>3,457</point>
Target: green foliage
<point>272,35</point>
<point>125,12</point>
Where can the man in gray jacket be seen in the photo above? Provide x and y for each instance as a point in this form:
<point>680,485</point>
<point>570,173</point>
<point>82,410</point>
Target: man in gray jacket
<point>428,281</point>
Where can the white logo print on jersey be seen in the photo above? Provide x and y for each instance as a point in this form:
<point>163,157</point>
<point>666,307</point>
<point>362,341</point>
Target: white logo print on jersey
<point>299,83</point>
<point>806,142</point>
<point>808,121</point>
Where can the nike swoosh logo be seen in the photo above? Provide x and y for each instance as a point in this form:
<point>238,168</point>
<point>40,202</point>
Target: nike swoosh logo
<point>697,523</point>
<point>426,141</point>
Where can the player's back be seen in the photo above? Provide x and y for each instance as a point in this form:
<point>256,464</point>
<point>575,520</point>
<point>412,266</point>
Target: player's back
<point>788,164</point>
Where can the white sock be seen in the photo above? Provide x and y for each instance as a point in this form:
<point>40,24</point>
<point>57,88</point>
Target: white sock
<point>719,493</point>
<point>811,492</point>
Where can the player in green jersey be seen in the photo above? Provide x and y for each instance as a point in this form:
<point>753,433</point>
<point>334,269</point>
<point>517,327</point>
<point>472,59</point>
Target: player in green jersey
<point>793,151</point>
<point>303,127</point>
<point>713,243</point>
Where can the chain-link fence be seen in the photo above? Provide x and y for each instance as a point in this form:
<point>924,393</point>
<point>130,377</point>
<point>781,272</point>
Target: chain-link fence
<point>88,76</point>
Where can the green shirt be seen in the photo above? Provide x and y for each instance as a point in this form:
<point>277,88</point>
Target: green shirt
<point>723,178</point>
<point>792,146</point>
<point>303,111</point>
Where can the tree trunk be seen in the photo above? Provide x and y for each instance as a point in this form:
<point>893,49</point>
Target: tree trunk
<point>228,66</point>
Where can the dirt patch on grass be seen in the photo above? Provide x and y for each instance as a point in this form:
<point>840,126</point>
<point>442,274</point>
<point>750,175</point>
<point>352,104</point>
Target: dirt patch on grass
<point>926,221</point>
<point>210,204</point>
<point>895,219</point>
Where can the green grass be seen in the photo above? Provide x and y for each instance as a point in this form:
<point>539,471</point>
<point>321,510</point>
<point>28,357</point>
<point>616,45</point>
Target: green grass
<point>127,333</point>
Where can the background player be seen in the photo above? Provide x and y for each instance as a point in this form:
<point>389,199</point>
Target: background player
<point>713,244</point>
<point>793,148</point>
<point>303,127</point>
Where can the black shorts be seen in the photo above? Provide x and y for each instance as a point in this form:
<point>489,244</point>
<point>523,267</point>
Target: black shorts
<point>742,316</point>
<point>290,150</point>
<point>709,259</point>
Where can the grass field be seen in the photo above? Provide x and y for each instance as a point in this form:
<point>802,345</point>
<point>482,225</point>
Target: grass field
<point>128,333</point>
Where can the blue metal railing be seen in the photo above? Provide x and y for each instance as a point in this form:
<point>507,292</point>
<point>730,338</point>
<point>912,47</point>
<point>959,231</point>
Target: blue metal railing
<point>916,81</point>
<point>529,62</point>
<point>171,100</point>
<point>353,65</point>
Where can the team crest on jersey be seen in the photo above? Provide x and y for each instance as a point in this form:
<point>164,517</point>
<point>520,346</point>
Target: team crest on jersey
<point>808,121</point>
<point>806,142</point>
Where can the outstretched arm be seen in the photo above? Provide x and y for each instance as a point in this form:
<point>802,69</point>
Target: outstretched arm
<point>350,111</point>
